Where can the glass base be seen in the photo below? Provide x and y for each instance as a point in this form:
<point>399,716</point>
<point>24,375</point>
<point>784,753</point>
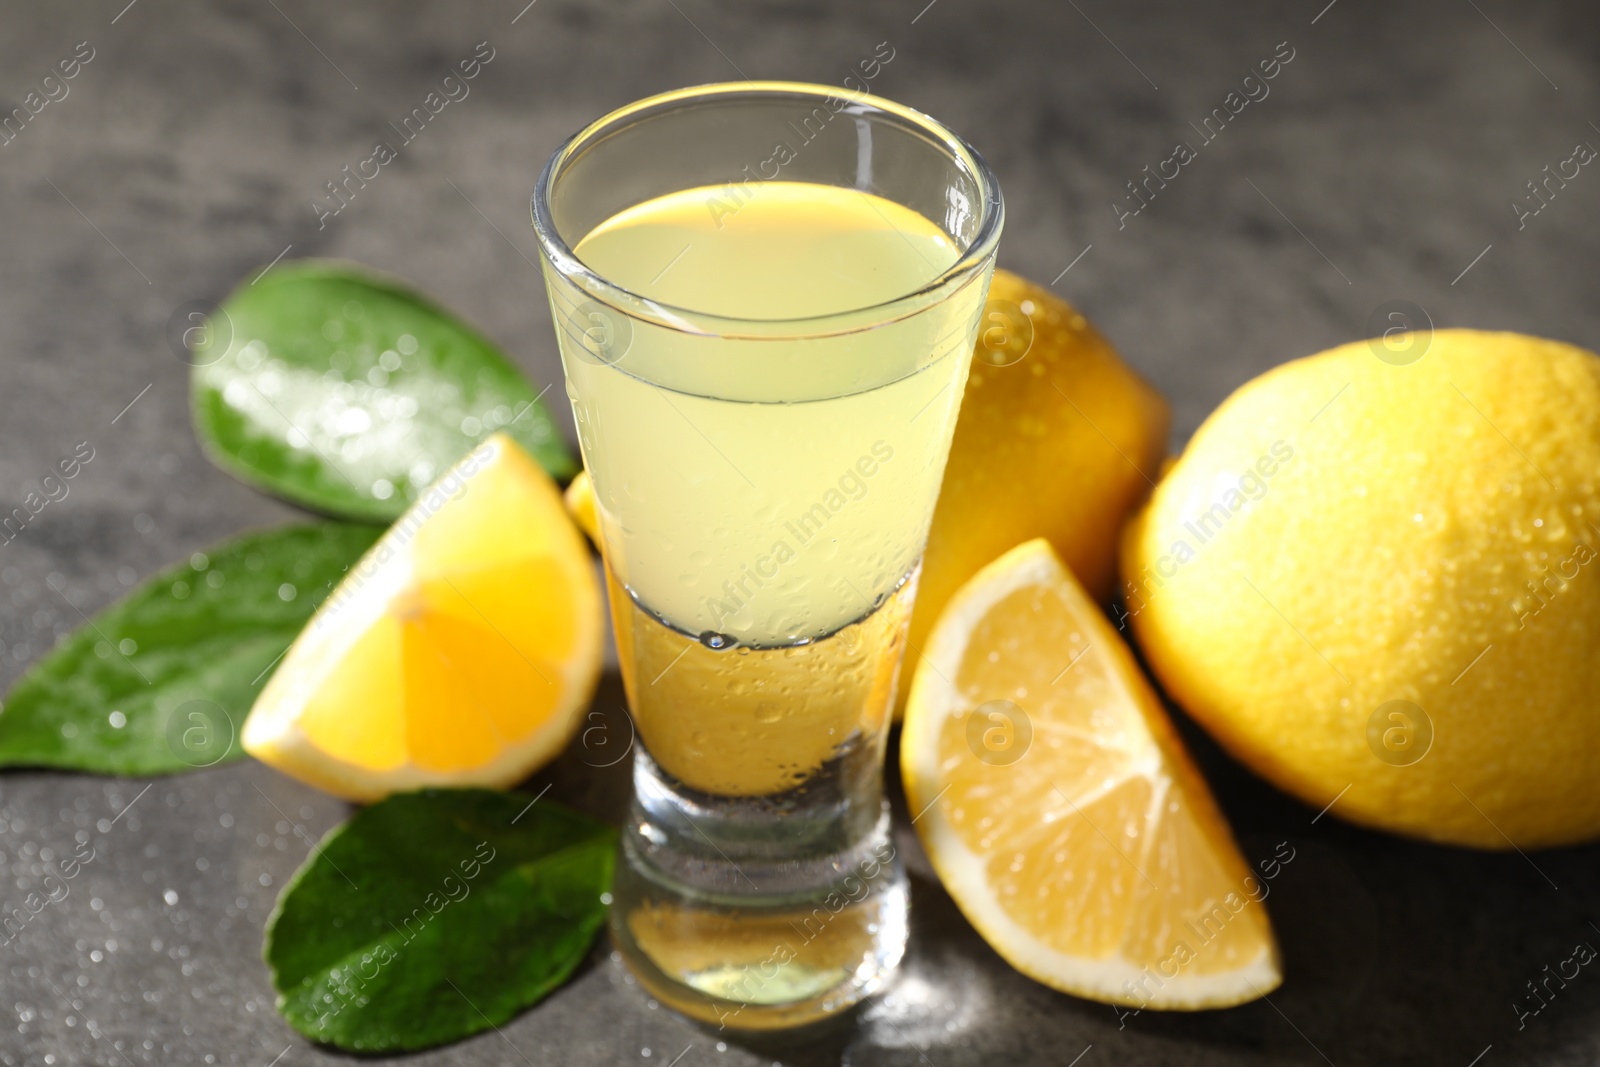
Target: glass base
<point>738,912</point>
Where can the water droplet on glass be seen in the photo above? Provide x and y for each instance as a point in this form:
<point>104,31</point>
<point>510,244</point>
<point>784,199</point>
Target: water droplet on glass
<point>713,640</point>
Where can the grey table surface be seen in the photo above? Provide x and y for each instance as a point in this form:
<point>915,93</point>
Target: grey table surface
<point>1381,166</point>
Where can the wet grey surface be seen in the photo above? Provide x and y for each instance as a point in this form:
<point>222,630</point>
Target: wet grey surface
<point>187,153</point>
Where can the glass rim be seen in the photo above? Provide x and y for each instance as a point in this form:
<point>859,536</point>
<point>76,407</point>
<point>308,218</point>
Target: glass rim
<point>991,209</point>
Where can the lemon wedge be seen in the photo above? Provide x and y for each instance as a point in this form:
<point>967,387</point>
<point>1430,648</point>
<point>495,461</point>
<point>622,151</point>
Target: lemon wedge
<point>581,505</point>
<point>461,650</point>
<point>1060,810</point>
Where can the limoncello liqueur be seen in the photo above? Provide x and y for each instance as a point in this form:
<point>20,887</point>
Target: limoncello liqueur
<point>763,541</point>
<point>765,377</point>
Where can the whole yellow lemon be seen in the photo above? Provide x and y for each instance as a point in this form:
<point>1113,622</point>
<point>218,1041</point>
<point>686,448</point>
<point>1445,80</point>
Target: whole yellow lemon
<point>1057,438</point>
<point>1374,576</point>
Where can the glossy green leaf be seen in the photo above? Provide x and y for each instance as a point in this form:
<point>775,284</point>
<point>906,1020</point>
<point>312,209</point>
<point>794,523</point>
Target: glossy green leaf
<point>162,680</point>
<point>348,393</point>
<point>430,916</point>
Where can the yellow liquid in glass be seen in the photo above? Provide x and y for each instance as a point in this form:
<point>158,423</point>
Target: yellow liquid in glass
<point>760,494</point>
<point>793,250</point>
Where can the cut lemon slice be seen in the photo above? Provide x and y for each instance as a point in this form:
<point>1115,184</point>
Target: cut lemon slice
<point>581,505</point>
<point>461,650</point>
<point>1060,810</point>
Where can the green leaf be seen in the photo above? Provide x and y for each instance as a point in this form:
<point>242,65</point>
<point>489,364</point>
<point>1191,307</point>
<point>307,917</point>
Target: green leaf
<point>349,393</point>
<point>162,680</point>
<point>430,916</point>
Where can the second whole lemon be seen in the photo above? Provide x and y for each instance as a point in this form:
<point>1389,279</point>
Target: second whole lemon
<point>1374,576</point>
<point>1057,438</point>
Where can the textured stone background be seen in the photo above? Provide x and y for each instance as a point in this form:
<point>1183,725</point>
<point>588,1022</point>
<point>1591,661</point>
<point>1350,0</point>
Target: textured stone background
<point>185,157</point>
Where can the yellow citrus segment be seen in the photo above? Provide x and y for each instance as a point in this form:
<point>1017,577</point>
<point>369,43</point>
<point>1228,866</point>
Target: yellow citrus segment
<point>461,650</point>
<point>347,713</point>
<point>1060,810</point>
<point>1208,904</point>
<point>518,499</point>
<point>496,599</point>
<point>435,678</point>
<point>580,502</point>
